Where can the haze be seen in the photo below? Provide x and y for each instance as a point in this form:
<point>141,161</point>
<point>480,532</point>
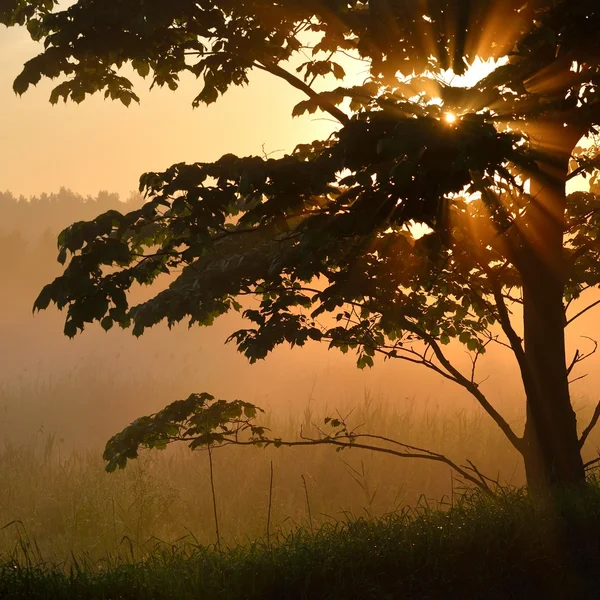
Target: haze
<point>86,389</point>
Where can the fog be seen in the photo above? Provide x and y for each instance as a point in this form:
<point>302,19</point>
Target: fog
<point>178,361</point>
<point>183,360</point>
<point>61,399</point>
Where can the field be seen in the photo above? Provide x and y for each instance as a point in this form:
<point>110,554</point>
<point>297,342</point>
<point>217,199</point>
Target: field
<point>301,522</point>
<point>507,546</point>
<point>60,500</point>
<point>63,499</point>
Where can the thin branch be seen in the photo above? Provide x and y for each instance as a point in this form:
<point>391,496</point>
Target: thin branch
<point>424,454</point>
<point>314,77</point>
<point>513,338</point>
<point>580,357</point>
<point>583,311</point>
<point>590,463</point>
<point>512,299</point>
<point>296,82</point>
<point>481,476</point>
<point>573,362</point>
<point>504,318</point>
<point>310,521</point>
<point>473,388</point>
<point>348,440</point>
<point>270,506</point>
<point>586,167</point>
<point>214,497</point>
<point>593,421</point>
<point>496,339</point>
<point>475,359</point>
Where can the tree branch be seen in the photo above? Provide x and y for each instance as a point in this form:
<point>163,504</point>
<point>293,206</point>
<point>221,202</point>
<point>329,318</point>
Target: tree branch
<point>580,357</point>
<point>296,82</point>
<point>471,387</point>
<point>590,463</point>
<point>590,165</point>
<point>348,441</point>
<point>593,421</point>
<point>581,312</point>
<point>573,362</point>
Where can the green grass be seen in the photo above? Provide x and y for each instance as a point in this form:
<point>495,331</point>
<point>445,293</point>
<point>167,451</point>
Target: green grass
<point>73,531</point>
<point>506,547</point>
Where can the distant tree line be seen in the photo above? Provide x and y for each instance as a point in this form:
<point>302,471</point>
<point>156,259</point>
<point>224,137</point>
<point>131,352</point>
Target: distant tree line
<point>28,232</point>
<point>37,216</point>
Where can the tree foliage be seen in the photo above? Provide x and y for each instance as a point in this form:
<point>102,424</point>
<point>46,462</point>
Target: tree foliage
<point>318,245</point>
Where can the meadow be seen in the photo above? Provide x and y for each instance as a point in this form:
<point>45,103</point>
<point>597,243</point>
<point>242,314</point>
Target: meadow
<point>289,519</point>
<point>60,497</point>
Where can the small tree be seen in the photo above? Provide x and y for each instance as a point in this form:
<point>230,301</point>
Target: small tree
<point>319,237</point>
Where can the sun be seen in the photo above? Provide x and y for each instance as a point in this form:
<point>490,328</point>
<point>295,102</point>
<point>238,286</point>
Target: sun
<point>450,118</point>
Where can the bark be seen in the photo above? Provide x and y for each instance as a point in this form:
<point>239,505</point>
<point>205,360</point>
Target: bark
<point>551,447</point>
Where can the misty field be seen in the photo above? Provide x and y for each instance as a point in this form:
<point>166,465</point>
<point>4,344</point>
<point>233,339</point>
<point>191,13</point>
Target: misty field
<point>61,498</point>
<point>338,522</point>
<point>344,347</point>
<point>70,529</point>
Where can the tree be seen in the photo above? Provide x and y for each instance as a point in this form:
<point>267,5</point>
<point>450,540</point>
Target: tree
<point>320,238</point>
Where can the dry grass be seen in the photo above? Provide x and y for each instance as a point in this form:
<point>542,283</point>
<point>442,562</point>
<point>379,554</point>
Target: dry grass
<point>61,498</point>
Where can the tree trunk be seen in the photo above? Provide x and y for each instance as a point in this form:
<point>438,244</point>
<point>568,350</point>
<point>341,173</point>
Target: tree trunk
<point>552,453</point>
<point>551,446</point>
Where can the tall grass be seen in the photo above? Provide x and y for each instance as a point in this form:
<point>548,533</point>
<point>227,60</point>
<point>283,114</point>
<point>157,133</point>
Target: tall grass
<point>55,491</point>
<point>510,546</point>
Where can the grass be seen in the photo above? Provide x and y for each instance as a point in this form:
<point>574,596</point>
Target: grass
<point>61,497</point>
<point>341,524</point>
<point>511,546</point>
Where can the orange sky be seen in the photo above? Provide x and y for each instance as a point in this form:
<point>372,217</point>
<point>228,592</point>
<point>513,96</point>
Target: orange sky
<point>103,145</point>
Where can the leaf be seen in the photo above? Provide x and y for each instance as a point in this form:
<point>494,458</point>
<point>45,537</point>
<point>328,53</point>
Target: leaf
<point>464,337</point>
<point>44,298</point>
<point>70,329</point>
<point>338,71</point>
<point>364,360</point>
<point>141,66</point>
<point>62,255</point>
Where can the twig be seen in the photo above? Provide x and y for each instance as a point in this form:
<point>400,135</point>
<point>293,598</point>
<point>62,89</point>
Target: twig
<point>580,357</point>
<point>310,521</point>
<point>469,386</point>
<point>214,498</point>
<point>590,463</point>
<point>484,478</point>
<point>593,421</point>
<point>294,81</point>
<point>270,505</point>
<point>583,311</point>
<point>573,362</point>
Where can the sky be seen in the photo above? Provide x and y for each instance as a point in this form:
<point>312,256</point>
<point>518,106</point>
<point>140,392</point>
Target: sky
<point>102,145</point>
